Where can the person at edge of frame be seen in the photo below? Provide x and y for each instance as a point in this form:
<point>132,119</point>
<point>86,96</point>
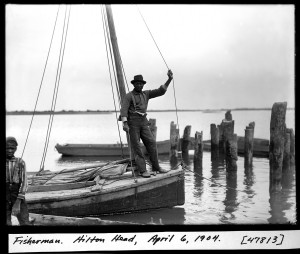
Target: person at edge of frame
<point>16,185</point>
<point>133,115</point>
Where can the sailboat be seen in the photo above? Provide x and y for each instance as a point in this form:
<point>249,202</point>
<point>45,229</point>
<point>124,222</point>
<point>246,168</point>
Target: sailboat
<point>106,188</point>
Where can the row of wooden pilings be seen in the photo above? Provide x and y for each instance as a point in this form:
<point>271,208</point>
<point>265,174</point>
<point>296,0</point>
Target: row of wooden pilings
<point>225,141</point>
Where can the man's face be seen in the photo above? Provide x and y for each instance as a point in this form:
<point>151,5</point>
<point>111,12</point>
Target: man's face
<point>10,150</point>
<point>138,86</point>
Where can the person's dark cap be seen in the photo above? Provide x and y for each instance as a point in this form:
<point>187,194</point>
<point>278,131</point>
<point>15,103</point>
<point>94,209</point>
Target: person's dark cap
<point>11,140</point>
<point>138,78</point>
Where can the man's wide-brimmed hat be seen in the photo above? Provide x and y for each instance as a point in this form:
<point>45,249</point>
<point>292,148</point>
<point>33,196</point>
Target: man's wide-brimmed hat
<point>138,78</point>
<point>11,140</point>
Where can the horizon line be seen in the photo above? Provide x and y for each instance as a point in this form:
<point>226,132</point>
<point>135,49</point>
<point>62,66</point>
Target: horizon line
<point>150,110</point>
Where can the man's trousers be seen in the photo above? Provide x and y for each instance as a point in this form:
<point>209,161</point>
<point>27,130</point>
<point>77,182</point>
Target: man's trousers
<point>139,129</point>
<point>12,191</point>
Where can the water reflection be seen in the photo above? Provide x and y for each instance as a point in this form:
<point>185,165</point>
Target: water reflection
<point>164,216</point>
<point>277,201</point>
<point>230,201</point>
<point>288,177</point>
<point>281,202</point>
<point>249,179</point>
<point>217,163</point>
<point>198,178</point>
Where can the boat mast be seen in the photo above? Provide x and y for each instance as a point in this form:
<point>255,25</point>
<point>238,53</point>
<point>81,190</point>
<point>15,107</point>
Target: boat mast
<point>117,57</point>
<point>116,51</point>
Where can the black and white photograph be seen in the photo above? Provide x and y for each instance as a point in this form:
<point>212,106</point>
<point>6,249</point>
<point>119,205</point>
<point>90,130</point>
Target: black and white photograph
<point>153,115</point>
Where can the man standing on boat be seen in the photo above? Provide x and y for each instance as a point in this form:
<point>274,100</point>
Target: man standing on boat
<point>16,184</point>
<point>133,115</point>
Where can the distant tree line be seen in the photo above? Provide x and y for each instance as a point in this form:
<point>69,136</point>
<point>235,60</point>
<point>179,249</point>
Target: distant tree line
<point>89,111</point>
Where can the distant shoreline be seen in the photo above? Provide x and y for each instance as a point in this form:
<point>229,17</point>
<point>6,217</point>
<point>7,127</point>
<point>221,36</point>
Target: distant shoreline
<point>73,112</point>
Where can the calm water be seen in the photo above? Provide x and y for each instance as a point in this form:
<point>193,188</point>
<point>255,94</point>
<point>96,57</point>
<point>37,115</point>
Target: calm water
<point>211,196</point>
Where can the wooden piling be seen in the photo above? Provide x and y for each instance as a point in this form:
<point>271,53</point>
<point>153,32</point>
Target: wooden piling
<point>252,125</point>
<point>186,139</point>
<point>248,146</point>
<point>231,153</point>
<point>287,152</point>
<point>214,141</point>
<point>214,134</point>
<point>228,116</point>
<point>292,148</point>
<point>174,139</point>
<point>228,131</point>
<point>214,154</point>
<point>153,127</point>
<point>221,141</point>
<point>277,140</point>
<point>198,153</point>
<point>287,173</point>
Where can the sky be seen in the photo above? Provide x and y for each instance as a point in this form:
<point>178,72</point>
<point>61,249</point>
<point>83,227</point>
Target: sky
<point>222,56</point>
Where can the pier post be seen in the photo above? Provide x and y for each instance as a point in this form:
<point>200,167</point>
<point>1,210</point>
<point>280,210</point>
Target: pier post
<point>153,127</point>
<point>221,141</point>
<point>174,140</point>
<point>186,142</point>
<point>292,148</point>
<point>231,153</point>
<point>228,116</point>
<point>228,131</point>
<point>286,163</point>
<point>287,167</point>
<point>226,128</point>
<point>214,134</point>
<point>248,145</point>
<point>214,141</point>
<point>276,149</point>
<point>198,154</point>
<point>214,154</point>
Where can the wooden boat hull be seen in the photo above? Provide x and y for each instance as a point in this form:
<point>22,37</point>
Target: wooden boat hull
<point>104,150</point>
<point>116,196</point>
<point>260,148</point>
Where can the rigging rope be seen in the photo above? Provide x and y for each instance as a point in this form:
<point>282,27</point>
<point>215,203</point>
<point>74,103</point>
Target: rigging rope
<point>33,114</point>
<point>105,38</point>
<point>152,37</point>
<point>174,93</point>
<point>56,87</point>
